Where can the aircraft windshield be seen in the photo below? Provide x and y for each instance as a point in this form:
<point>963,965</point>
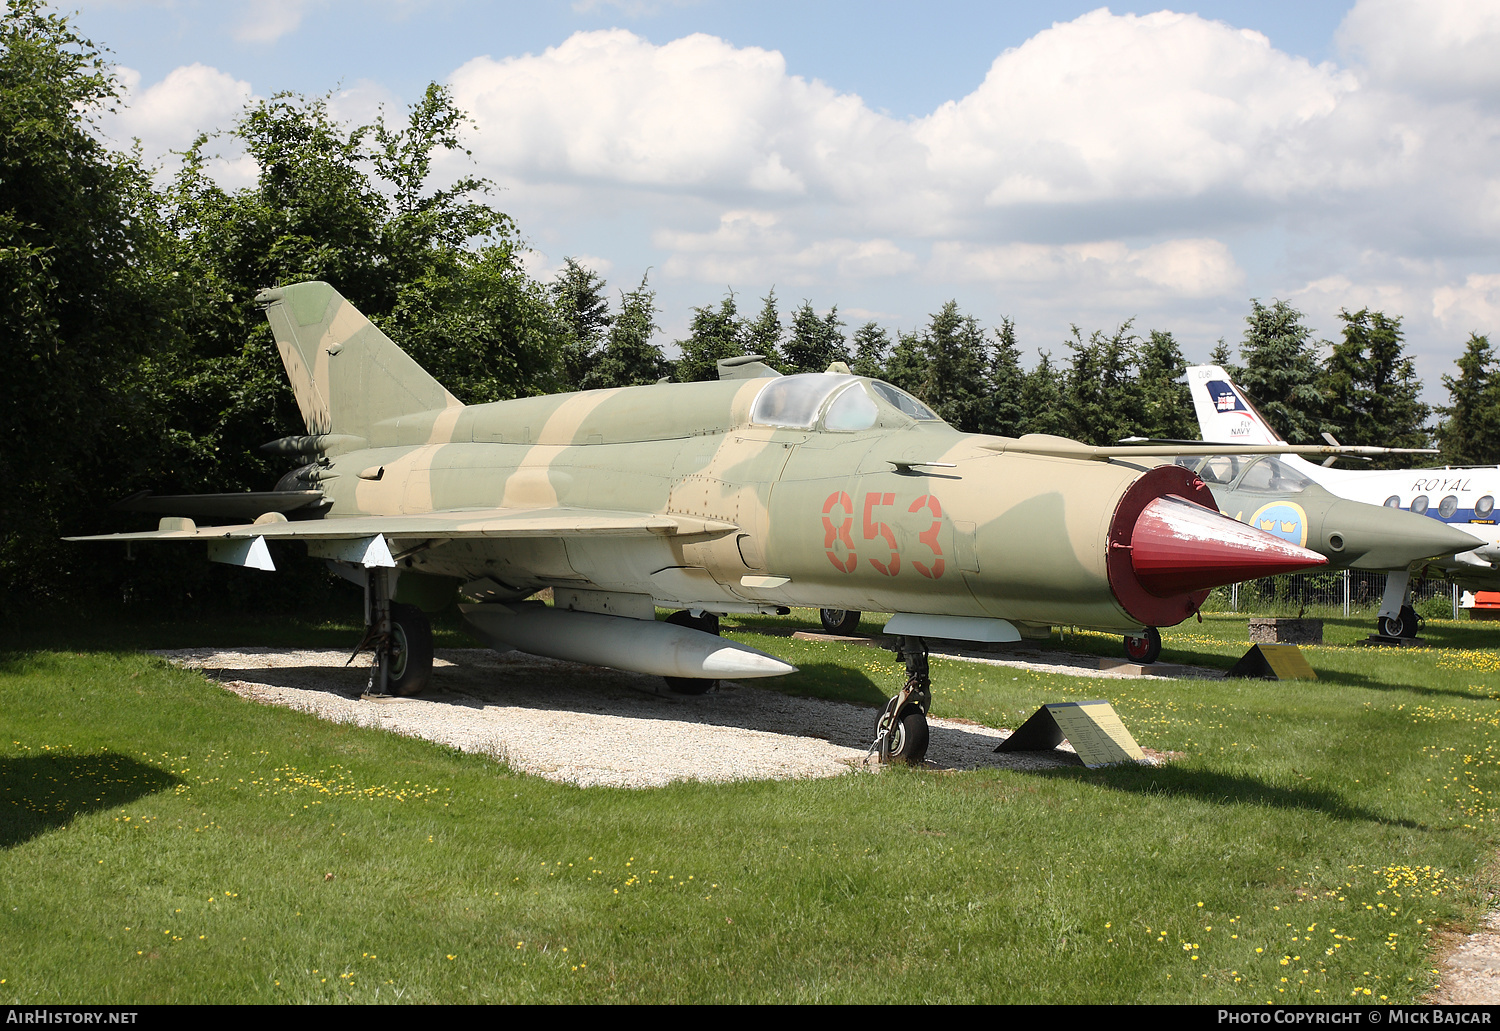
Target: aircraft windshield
<point>850,411</point>
<point>1267,475</point>
<point>901,400</point>
<point>1220,469</point>
<point>793,401</point>
<point>1273,476</point>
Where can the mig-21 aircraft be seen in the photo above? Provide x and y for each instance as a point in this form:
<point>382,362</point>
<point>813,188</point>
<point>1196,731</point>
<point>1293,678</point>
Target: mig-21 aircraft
<point>1459,499</point>
<point>753,493</point>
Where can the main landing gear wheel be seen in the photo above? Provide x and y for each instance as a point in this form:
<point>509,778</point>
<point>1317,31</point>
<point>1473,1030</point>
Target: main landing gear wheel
<point>709,624</point>
<point>1404,625</point>
<point>1146,648</point>
<point>839,621</point>
<point>411,650</point>
<point>906,735</point>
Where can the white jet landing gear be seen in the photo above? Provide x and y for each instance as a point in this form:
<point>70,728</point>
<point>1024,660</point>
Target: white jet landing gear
<point>901,732</point>
<point>1144,648</point>
<point>709,624</point>
<point>401,638</point>
<point>1397,617</point>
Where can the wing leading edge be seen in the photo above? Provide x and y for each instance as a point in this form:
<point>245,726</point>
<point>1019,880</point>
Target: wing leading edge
<point>488,522</point>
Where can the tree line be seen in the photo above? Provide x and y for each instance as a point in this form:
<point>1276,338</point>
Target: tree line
<point>136,360</point>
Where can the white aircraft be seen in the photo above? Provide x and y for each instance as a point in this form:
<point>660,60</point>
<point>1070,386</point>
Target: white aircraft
<point>1462,497</point>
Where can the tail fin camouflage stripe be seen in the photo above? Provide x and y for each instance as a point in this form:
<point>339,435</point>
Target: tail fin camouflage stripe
<point>347,374</point>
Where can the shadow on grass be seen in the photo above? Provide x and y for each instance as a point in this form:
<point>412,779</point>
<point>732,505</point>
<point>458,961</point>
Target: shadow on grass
<point>124,629</point>
<point>41,792</point>
<point>1225,789</point>
<point>832,681</point>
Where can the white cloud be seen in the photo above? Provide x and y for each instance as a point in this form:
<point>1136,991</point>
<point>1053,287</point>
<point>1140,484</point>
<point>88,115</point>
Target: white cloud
<point>169,114</point>
<point>1448,50</point>
<point>1108,107</point>
<point>266,21</point>
<point>759,246</point>
<point>1172,269</point>
<point>1472,307</point>
<point>695,112</point>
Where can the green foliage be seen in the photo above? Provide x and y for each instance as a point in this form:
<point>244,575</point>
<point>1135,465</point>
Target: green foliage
<point>1104,398</point>
<point>629,357</point>
<point>1470,431</point>
<point>872,346</point>
<point>1166,402</point>
<point>1281,372</point>
<point>82,300</point>
<point>1004,410</point>
<point>814,343</point>
<point>947,366</point>
<point>583,309</point>
<point>714,334</point>
<point>1042,399</point>
<point>763,336</point>
<point>1372,389</point>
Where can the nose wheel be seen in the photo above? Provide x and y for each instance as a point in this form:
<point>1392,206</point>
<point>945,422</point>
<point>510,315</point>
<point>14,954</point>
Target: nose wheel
<point>839,621</point>
<point>1144,649</point>
<point>901,732</point>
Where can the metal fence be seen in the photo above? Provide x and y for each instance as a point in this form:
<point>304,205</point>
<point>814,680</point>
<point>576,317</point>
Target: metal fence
<point>1347,592</point>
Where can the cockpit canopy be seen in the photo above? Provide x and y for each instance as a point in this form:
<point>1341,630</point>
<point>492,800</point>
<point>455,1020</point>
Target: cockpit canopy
<point>845,403</point>
<point>1265,474</point>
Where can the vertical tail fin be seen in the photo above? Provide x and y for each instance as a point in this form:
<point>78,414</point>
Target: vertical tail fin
<point>347,374</point>
<point>1225,414</point>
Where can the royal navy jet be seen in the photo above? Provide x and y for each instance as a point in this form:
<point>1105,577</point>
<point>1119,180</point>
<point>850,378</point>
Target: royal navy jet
<point>1463,499</point>
<point>753,493</point>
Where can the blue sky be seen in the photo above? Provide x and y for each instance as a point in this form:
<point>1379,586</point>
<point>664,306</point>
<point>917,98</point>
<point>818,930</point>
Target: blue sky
<point>1054,163</point>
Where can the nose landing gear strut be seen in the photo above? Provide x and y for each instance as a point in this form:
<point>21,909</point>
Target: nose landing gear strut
<point>901,732</point>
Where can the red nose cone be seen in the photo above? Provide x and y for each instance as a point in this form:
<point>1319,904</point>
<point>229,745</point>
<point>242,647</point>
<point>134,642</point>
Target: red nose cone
<point>1178,547</point>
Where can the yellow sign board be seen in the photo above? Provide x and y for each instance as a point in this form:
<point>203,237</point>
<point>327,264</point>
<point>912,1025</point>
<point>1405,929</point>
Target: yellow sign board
<point>1092,728</point>
<point>1273,662</point>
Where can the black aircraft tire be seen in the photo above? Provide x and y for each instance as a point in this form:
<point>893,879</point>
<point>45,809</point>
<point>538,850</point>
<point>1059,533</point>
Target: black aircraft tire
<point>839,621</point>
<point>709,624</point>
<point>411,650</point>
<point>1145,649</point>
<point>1404,625</point>
<point>911,736</point>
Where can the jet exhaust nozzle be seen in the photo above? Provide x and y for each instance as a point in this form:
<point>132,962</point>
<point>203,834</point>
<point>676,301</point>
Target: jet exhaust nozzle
<point>1178,547</point>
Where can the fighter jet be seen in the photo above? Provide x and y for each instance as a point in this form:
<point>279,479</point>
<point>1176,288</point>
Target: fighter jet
<point>1466,498</point>
<point>753,493</point>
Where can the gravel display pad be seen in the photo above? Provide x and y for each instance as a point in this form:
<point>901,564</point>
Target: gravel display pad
<point>586,725</point>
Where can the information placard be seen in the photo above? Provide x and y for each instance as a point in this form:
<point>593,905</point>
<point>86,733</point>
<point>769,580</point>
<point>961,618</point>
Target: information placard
<point>1093,729</point>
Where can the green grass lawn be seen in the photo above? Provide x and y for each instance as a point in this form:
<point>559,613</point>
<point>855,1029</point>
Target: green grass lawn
<point>162,840</point>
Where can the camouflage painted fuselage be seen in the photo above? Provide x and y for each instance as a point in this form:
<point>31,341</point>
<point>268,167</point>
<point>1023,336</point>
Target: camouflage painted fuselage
<point>815,517</point>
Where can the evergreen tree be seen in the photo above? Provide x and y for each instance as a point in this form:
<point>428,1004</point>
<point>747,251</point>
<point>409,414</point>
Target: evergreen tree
<point>1281,372</point>
<point>583,309</point>
<point>714,334</point>
<point>814,343</point>
<point>1042,399</point>
<point>1003,409</point>
<point>1470,431</point>
<point>763,336</point>
<point>1166,402</point>
<point>872,345</point>
<point>946,365</point>
<point>1103,397</point>
<point>629,358</point>
<point>1371,387</point>
<point>1221,357</point>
